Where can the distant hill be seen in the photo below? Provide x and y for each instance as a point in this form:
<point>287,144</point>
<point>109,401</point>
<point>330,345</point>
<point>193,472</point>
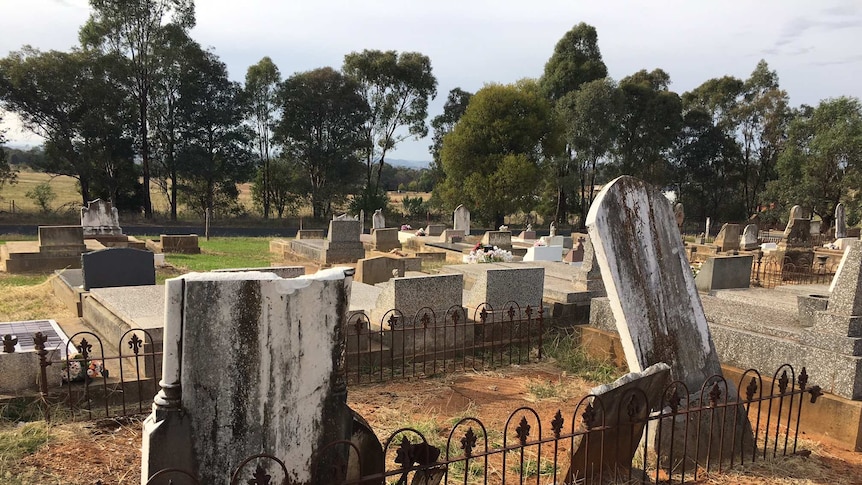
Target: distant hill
<point>417,164</point>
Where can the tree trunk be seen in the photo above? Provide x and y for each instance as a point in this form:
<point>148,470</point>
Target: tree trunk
<point>145,156</point>
<point>85,189</point>
<point>173,200</point>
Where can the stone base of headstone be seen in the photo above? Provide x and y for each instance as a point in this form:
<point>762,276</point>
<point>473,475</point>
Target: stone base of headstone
<point>310,234</point>
<point>166,443</point>
<point>500,239</point>
<point>435,229</point>
<point>807,307</point>
<point>452,236</point>
<point>713,435</point>
<point>385,240</point>
<point>720,272</point>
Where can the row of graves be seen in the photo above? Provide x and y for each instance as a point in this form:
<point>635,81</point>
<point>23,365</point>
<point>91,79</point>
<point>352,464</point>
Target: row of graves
<point>286,408</point>
<point>289,343</point>
<point>60,247</point>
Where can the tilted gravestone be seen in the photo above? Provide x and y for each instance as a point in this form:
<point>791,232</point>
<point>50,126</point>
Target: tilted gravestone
<point>252,364</point>
<point>113,267</point>
<point>652,294</point>
<point>649,282</point>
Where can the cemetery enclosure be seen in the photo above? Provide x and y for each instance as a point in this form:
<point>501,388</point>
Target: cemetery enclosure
<point>532,446</point>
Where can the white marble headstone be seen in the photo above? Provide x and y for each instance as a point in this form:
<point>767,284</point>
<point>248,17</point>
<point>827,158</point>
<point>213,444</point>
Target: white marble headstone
<point>650,285</point>
<point>461,220</point>
<point>377,220</point>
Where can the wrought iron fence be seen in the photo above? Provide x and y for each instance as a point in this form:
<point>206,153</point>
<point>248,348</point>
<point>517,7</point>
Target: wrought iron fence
<point>429,343</point>
<point>772,273</point>
<point>96,384</point>
<point>99,383</point>
<point>674,438</point>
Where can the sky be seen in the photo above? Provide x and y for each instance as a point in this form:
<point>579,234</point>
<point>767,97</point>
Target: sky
<point>814,46</point>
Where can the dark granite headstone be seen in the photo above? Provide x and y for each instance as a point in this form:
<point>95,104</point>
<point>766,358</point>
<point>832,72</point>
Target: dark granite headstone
<point>112,267</point>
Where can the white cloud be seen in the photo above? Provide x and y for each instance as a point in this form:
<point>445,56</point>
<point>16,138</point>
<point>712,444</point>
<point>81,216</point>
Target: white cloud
<point>812,45</point>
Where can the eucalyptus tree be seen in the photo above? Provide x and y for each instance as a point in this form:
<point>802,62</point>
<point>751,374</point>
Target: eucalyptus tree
<point>70,99</point>
<point>492,156</point>
<point>216,150</point>
<point>576,60</point>
<point>7,174</point>
<point>132,29</point>
<point>261,86</point>
<point>821,163</point>
<point>649,126</point>
<point>322,131</point>
<point>397,88</point>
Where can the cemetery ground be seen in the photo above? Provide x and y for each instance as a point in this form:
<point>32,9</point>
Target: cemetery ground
<point>71,453</point>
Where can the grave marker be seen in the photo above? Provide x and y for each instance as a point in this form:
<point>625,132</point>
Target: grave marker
<point>100,218</point>
<point>840,222</point>
<point>461,220</point>
<point>377,220</point>
<point>114,267</point>
<point>649,282</point>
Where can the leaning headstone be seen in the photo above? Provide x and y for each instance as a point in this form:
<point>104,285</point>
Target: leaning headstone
<point>840,222</point>
<point>749,239</point>
<point>728,237</point>
<point>252,364</point>
<point>649,282</point>
<point>622,412</point>
<point>653,297</point>
<point>461,220</point>
<point>377,220</point>
<point>113,267</point>
<point>100,218</point>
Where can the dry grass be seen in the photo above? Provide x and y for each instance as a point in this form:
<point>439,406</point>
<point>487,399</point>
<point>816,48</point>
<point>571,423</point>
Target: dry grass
<point>31,302</point>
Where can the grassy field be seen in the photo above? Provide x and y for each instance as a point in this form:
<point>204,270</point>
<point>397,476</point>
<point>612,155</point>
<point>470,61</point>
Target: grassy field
<point>68,197</point>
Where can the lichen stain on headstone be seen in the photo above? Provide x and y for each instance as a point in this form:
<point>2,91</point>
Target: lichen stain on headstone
<point>246,315</point>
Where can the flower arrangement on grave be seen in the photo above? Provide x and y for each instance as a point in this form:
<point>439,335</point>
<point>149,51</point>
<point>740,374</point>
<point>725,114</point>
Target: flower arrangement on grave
<point>695,268</point>
<point>79,369</point>
<point>420,231</point>
<point>406,227</point>
<point>539,243</point>
<point>496,255</point>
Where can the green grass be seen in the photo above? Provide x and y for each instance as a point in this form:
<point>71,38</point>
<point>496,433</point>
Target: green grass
<point>571,357</point>
<point>7,279</point>
<point>545,389</point>
<point>225,252</point>
<point>19,441</point>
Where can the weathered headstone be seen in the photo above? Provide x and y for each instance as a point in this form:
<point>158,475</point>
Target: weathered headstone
<point>795,213</point>
<point>589,275</point>
<point>649,282</point>
<point>728,237</point>
<point>385,239</point>
<point>345,217</point>
<point>679,215</point>
<point>252,364</point>
<point>65,240</point>
<point>435,229</point>
<point>610,453</point>
<point>377,220</point>
<point>840,222</point>
<point>113,267</point>
<point>706,231</point>
<point>461,220</point>
<point>552,230</point>
<point>652,294</point>
<point>749,239</point>
<point>342,244</point>
<point>100,218</point>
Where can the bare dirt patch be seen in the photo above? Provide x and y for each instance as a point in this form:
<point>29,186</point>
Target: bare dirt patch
<point>109,450</point>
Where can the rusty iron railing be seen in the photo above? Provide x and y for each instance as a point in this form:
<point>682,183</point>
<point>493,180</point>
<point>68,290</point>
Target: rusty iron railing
<point>627,447</point>
<point>428,343</point>
<point>772,273</point>
<point>109,386</point>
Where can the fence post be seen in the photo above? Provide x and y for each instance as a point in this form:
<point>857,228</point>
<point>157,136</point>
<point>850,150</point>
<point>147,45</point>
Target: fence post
<point>39,343</point>
<point>541,320</point>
